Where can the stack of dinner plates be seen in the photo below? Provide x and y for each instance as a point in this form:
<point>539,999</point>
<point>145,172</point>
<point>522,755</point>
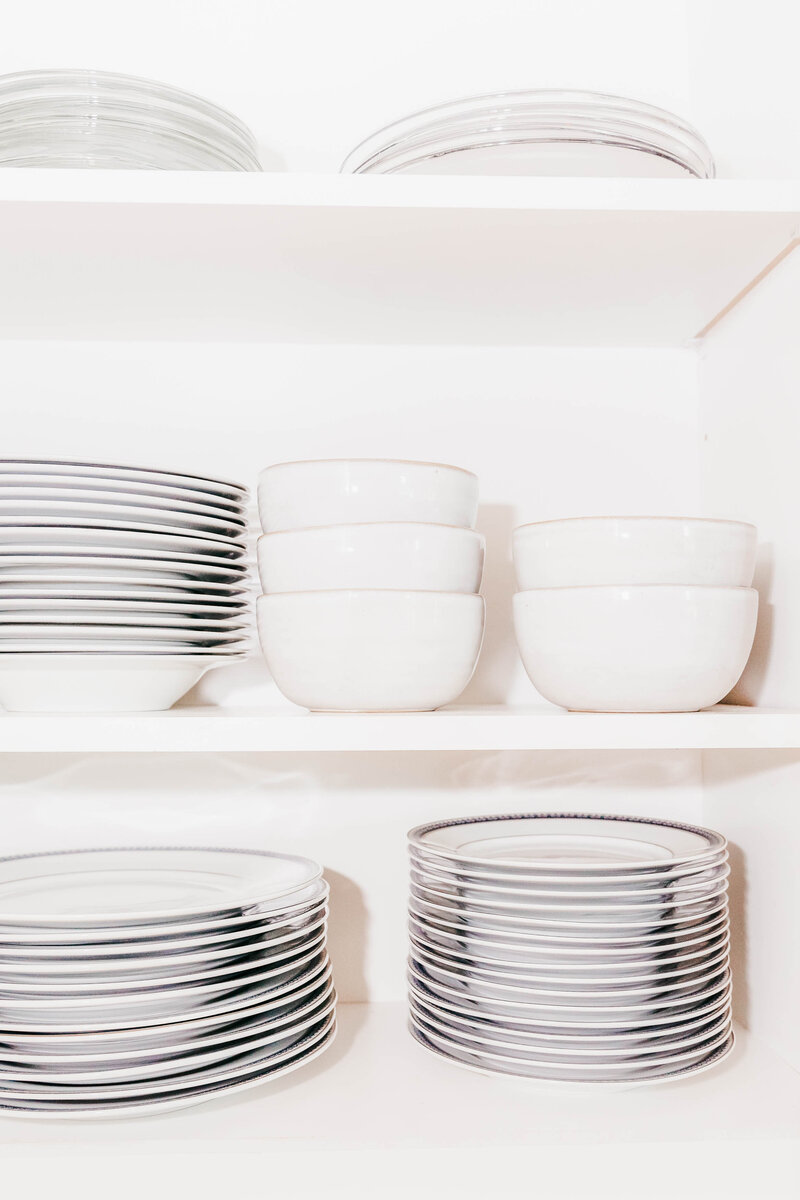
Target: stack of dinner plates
<point>578,949</point>
<point>119,586</point>
<point>135,981</point>
<point>539,132</point>
<point>74,118</point>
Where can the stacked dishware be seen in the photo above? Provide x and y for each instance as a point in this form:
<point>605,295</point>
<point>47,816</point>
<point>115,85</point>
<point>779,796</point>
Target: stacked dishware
<point>138,981</point>
<point>579,949</point>
<point>370,570</point>
<point>635,614</point>
<point>68,118</point>
<point>119,586</point>
<point>540,132</point>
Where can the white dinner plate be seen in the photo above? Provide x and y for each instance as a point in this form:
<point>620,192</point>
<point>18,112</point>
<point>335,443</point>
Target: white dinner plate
<point>636,973</point>
<point>188,633</point>
<point>140,475</point>
<point>568,843</point>
<point>521,992</point>
<point>141,1008</point>
<point>156,958</point>
<point>620,939</point>
<point>626,888</point>
<point>170,555</point>
<point>243,1064</point>
<point>92,486</point>
<point>591,1015</point>
<point>567,1053</point>
<point>528,899</point>
<point>278,910</point>
<point>273,1067</point>
<point>648,879</point>
<point>193,1058</point>
<point>144,885</point>
<point>78,600</point>
<point>226,580</point>
<point>56,496</point>
<point>489,920</point>
<point>553,1021</point>
<point>574,964</point>
<point>146,584</point>
<point>242,957</point>
<point>475,1064</point>
<point>85,1053</point>
<point>240,971</point>
<point>119,618</point>
<point>157,1037</point>
<point>529,1066</point>
<point>108,515</point>
<point>602,1038</point>
<point>130,535</point>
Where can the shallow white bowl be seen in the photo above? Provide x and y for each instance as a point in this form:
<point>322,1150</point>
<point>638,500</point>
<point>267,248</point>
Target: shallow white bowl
<point>588,551</point>
<point>95,683</point>
<point>635,649</point>
<point>371,651</point>
<point>302,495</point>
<point>393,555</point>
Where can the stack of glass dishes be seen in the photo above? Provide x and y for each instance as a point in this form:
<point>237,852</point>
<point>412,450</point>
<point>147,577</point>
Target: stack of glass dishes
<point>578,949</point>
<point>119,586</point>
<point>136,981</point>
<point>97,119</point>
<point>539,132</point>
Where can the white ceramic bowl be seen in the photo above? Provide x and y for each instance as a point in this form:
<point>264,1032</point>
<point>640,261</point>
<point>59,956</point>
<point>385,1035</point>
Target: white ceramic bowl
<point>95,683</point>
<point>302,495</point>
<point>393,555</point>
<point>635,649</point>
<point>371,651</point>
<point>588,551</point>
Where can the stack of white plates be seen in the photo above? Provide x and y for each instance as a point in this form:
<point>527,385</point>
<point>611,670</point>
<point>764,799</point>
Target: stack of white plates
<point>539,132</point>
<point>144,980</point>
<point>98,119</point>
<point>119,586</point>
<point>577,949</point>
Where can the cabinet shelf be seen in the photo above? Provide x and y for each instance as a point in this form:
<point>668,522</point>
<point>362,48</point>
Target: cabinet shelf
<point>182,256</point>
<point>230,730</point>
<point>376,1090</point>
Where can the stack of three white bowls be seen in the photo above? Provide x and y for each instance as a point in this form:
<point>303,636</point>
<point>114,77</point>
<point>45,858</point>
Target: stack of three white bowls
<point>635,614</point>
<point>370,570</point>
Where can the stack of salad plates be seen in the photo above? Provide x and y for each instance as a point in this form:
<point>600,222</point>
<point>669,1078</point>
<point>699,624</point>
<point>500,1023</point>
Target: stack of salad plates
<point>570,948</point>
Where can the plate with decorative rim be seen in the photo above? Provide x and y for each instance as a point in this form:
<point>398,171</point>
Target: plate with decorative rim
<point>567,842</point>
<point>158,1068</point>
<point>555,1018</point>
<point>158,1036</point>
<point>144,884</point>
<point>154,1099</point>
<point>560,1035</point>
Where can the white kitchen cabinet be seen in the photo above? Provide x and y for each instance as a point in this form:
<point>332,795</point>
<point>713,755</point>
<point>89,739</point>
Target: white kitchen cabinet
<point>586,347</point>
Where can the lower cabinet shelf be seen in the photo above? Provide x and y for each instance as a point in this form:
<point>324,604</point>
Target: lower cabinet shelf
<point>376,1089</point>
<point>231,730</point>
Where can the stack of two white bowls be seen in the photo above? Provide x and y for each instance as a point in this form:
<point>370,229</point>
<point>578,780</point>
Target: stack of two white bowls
<point>635,614</point>
<point>370,570</point>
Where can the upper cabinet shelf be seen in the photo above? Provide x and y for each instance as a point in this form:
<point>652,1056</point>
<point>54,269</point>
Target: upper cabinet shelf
<point>404,260</point>
<point>232,730</point>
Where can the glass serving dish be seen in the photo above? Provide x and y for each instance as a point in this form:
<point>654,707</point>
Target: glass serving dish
<point>80,118</point>
<point>540,132</point>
